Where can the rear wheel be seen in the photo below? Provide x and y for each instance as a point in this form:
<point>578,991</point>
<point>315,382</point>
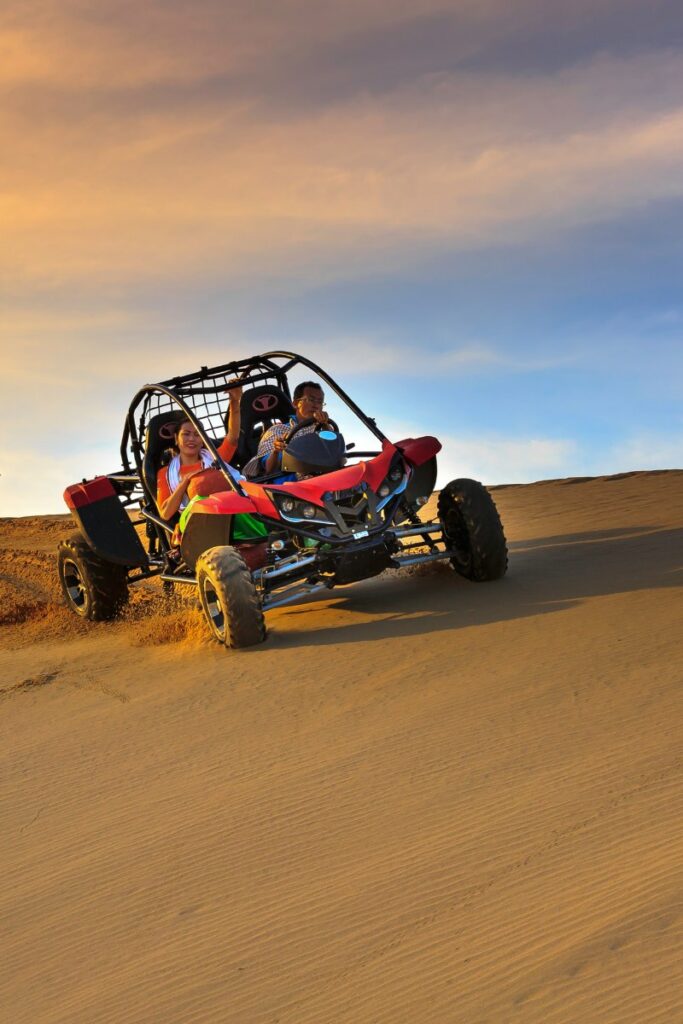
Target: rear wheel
<point>229,599</point>
<point>473,531</point>
<point>94,589</point>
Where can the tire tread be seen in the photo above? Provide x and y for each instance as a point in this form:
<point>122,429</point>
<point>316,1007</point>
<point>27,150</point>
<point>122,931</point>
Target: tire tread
<point>106,582</point>
<point>485,530</point>
<point>245,624</point>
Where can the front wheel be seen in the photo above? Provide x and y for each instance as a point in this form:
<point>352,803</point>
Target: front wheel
<point>473,531</point>
<point>94,589</point>
<point>229,599</point>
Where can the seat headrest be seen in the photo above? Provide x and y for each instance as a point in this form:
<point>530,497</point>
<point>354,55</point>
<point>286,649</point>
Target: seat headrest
<point>265,404</point>
<point>260,408</point>
<point>158,439</point>
<point>161,430</point>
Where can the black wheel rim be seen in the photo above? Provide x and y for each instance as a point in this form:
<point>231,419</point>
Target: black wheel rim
<point>213,608</point>
<point>458,538</point>
<point>74,585</point>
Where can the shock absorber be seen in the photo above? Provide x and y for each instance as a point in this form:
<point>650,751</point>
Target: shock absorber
<point>412,515</point>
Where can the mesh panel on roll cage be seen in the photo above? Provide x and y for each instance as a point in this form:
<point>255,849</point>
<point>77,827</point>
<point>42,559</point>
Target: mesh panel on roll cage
<point>209,403</point>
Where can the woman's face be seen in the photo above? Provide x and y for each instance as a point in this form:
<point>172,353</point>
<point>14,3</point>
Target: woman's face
<point>189,442</point>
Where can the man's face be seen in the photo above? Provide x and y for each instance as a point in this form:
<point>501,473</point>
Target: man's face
<point>311,402</point>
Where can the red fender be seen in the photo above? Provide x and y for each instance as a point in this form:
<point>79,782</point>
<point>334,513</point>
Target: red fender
<point>371,472</point>
<point>88,492</point>
<point>418,450</point>
<point>224,503</point>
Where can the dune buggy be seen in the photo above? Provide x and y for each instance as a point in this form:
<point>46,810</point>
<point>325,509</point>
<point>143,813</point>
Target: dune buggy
<point>346,516</point>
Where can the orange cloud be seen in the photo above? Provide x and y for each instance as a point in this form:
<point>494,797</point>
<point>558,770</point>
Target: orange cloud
<point>177,194</point>
<point>151,141</point>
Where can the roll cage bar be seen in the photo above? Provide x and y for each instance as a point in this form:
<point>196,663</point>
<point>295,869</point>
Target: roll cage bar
<point>256,368</point>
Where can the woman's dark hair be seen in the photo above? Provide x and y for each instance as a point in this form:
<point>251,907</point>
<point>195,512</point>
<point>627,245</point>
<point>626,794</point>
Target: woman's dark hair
<point>300,388</point>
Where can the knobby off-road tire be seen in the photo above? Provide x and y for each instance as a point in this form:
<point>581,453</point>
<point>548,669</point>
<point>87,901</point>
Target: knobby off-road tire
<point>94,589</point>
<point>472,528</point>
<point>229,599</point>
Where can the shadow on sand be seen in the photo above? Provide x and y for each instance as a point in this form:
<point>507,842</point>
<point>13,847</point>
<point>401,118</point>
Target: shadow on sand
<point>546,575</point>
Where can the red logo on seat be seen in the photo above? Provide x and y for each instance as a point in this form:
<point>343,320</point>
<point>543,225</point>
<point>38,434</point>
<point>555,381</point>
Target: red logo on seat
<point>264,403</point>
<point>167,431</point>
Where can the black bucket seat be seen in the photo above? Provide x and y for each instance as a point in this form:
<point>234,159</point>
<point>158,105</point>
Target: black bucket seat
<point>260,408</point>
<point>159,444</point>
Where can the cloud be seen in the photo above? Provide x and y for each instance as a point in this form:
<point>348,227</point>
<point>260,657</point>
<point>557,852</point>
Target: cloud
<point>496,458</point>
<point>647,450</point>
<point>187,182</point>
<point>32,483</point>
<point>64,44</point>
<point>499,460</point>
<point>337,51</point>
<point>325,213</point>
<point>474,358</point>
<point>146,149</point>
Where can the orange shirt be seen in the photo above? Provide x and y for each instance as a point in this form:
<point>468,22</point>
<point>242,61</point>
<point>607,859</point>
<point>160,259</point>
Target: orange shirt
<point>226,452</point>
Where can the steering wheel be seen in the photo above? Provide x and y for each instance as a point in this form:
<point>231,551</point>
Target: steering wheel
<point>327,425</point>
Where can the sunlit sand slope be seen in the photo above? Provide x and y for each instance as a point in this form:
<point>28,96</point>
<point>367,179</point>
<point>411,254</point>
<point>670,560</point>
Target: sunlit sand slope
<point>422,800</point>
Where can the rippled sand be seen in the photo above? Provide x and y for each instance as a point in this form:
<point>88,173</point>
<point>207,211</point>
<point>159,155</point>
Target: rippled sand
<point>422,800</point>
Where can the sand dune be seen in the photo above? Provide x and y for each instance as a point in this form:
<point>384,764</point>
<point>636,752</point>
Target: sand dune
<point>422,800</point>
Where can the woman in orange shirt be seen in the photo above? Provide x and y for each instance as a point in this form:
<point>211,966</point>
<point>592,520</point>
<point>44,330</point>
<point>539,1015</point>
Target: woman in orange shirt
<point>192,459</point>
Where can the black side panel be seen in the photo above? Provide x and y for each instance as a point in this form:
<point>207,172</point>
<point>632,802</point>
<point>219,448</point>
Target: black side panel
<point>204,531</point>
<point>109,532</point>
<point>422,481</point>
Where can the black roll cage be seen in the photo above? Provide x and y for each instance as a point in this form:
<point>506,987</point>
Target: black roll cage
<point>256,368</point>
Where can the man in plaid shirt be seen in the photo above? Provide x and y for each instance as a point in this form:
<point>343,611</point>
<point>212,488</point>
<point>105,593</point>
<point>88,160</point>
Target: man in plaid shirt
<point>309,401</point>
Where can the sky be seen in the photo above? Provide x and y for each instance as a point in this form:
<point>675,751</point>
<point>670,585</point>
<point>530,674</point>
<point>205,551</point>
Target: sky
<point>470,213</point>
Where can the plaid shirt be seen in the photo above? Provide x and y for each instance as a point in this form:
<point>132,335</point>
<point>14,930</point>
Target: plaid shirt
<point>266,446</point>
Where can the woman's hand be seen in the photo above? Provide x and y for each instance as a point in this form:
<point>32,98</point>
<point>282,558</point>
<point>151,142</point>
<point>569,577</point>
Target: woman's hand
<point>235,393</point>
<point>185,479</point>
<point>172,503</point>
<point>233,424</point>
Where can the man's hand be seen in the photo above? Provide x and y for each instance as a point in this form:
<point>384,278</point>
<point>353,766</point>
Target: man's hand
<point>320,416</point>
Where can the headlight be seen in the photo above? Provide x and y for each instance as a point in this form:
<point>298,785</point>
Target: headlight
<point>294,510</point>
<point>393,484</point>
